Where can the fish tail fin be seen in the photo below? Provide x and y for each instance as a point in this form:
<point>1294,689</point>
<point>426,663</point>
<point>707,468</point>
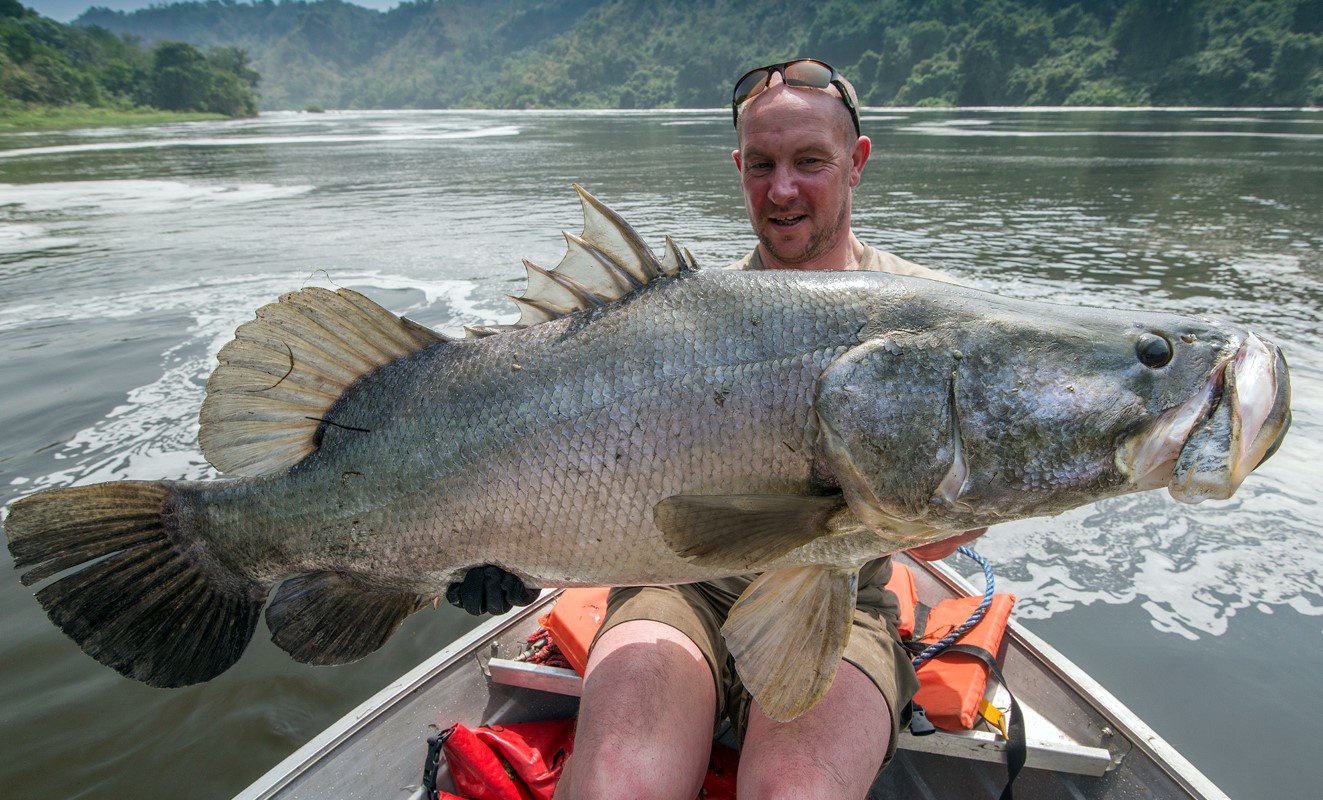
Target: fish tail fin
<point>146,600</point>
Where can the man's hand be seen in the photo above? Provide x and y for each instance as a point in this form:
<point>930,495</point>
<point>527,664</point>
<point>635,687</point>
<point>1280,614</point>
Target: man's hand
<point>940,550</point>
<point>489,590</point>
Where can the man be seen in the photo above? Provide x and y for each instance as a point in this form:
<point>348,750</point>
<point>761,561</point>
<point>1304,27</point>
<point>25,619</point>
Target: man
<point>658,677</point>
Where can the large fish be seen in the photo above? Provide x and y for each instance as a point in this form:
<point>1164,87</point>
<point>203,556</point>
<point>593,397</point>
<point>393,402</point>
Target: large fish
<point>645,422</point>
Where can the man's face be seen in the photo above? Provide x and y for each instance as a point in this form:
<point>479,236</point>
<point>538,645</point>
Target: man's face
<point>798,160</point>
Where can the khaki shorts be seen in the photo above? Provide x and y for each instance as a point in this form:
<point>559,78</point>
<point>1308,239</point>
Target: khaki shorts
<point>697,611</point>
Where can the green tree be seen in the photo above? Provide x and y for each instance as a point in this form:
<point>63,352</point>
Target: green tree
<point>12,9</point>
<point>235,61</point>
<point>180,78</point>
<point>1150,35</point>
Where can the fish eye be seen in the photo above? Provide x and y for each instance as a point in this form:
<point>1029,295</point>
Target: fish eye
<point>1154,351</point>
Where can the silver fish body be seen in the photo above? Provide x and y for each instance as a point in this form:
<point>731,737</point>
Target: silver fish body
<point>699,424</point>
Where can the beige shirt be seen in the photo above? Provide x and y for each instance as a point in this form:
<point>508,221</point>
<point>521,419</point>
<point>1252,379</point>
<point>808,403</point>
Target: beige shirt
<point>874,260</point>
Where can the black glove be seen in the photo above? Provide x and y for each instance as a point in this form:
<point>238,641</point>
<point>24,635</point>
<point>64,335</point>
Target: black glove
<point>489,590</point>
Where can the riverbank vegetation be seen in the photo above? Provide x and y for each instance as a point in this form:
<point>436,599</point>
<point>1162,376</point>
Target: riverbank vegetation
<point>38,118</point>
<point>667,53</point>
<point>54,75</point>
<point>686,53</point>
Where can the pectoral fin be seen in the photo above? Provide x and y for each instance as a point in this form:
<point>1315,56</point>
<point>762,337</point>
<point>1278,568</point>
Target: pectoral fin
<point>742,531</point>
<point>787,633</point>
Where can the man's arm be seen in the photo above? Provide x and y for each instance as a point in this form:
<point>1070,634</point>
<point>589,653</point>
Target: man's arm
<point>940,550</point>
<point>489,590</point>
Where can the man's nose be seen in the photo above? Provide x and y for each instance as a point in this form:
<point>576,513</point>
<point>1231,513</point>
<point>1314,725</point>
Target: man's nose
<point>784,188</point>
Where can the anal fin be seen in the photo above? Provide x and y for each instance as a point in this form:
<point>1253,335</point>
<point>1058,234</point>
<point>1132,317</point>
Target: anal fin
<point>328,618</point>
<point>743,531</point>
<point>787,633</point>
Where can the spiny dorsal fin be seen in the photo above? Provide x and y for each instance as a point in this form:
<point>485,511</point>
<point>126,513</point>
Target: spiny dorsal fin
<point>606,263</point>
<point>285,369</point>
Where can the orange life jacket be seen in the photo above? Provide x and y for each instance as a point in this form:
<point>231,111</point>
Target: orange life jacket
<point>573,622</point>
<point>951,685</point>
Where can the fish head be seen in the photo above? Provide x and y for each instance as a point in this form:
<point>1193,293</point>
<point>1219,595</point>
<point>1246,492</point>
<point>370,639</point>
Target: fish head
<point>992,410</point>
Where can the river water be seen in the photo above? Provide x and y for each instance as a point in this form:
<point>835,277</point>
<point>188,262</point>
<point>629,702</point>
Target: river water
<point>129,255</point>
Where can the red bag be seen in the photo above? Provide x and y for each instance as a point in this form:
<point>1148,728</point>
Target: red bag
<point>523,761</point>
<point>520,761</point>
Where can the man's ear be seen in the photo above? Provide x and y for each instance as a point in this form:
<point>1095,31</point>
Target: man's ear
<point>863,146</point>
<point>735,154</point>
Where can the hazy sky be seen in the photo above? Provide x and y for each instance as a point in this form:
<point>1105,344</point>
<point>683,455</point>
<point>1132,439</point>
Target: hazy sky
<point>66,10</point>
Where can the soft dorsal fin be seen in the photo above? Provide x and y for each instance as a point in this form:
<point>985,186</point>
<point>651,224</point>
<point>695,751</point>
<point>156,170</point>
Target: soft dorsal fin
<point>284,370</point>
<point>607,262</point>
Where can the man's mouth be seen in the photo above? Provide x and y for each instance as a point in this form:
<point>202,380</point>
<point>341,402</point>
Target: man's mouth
<point>786,221</point>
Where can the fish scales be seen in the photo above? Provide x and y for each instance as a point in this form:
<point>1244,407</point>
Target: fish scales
<point>523,463</point>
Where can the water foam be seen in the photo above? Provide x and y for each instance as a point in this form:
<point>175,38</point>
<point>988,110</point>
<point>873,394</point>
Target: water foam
<point>81,199</point>
<point>269,141</point>
<point>152,434</point>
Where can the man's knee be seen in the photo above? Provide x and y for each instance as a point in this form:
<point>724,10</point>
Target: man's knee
<point>645,719</point>
<point>627,773</point>
<point>646,669</point>
<point>813,756</point>
<point>793,785</point>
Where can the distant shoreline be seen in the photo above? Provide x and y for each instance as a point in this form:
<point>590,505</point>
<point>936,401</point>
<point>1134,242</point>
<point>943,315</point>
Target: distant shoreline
<point>45,118</point>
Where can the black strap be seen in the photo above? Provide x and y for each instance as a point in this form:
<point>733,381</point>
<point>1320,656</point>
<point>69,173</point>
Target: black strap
<point>1017,748</point>
<point>920,725</point>
<point>921,612</point>
<point>433,762</point>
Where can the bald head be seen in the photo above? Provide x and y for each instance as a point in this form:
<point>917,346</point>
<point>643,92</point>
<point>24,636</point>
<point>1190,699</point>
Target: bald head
<point>830,105</point>
<point>821,108</point>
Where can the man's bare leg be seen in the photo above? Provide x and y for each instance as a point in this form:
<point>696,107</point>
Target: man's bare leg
<point>834,750</point>
<point>645,720</point>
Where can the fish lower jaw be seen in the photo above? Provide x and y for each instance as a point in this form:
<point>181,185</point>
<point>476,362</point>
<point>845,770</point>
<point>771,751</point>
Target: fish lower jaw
<point>1243,427</point>
<point>1150,459</point>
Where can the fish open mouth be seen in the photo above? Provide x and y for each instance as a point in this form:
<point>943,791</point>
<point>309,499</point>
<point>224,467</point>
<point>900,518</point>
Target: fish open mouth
<point>1204,448</point>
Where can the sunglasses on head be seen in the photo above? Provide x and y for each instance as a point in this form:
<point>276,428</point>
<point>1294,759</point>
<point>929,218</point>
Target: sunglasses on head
<point>802,73</point>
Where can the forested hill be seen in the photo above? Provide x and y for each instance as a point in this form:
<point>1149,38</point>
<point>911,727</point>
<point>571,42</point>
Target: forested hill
<point>46,65</point>
<point>686,53</point>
